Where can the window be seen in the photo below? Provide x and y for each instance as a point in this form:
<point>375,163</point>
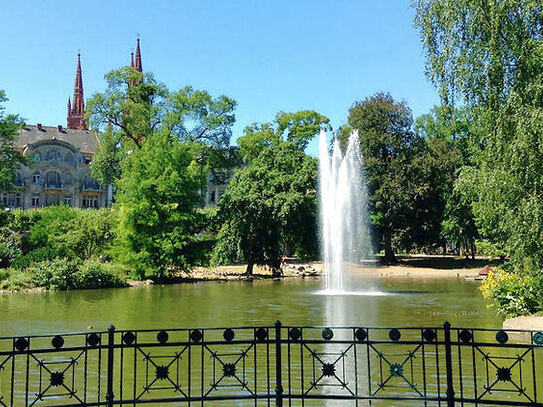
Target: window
<point>36,178</point>
<point>19,180</point>
<point>18,200</point>
<point>53,179</point>
<point>68,200</point>
<point>35,201</point>
<point>212,196</point>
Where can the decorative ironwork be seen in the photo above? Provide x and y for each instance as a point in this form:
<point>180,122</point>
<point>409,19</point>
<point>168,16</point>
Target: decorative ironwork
<point>275,365</point>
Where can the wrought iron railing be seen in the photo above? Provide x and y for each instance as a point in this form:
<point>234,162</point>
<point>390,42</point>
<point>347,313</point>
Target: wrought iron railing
<point>275,365</point>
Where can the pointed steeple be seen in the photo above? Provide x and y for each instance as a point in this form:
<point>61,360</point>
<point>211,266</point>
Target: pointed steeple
<point>69,107</point>
<point>76,111</point>
<point>137,64</point>
<point>131,60</point>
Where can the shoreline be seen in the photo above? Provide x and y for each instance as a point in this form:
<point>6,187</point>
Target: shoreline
<point>294,270</point>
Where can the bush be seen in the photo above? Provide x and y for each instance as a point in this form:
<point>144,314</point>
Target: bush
<point>514,294</point>
<point>57,274</point>
<point>12,279</point>
<point>65,274</point>
<point>95,274</point>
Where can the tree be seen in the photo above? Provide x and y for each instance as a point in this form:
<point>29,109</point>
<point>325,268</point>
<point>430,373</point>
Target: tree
<point>388,147</point>
<point>447,133</point>
<point>10,158</point>
<point>156,197</point>
<point>480,50</point>
<point>490,54</point>
<point>156,148</point>
<point>135,106</point>
<point>270,202</point>
<point>298,128</point>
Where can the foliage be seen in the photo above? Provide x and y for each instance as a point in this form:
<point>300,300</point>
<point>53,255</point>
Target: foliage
<point>491,54</point>
<point>399,167</point>
<point>156,197</point>
<point>514,294</point>
<point>56,231</point>
<point>10,157</point>
<point>298,128</point>
<point>269,203</point>
<point>66,274</point>
<point>134,107</point>
<point>447,131</point>
<point>481,50</point>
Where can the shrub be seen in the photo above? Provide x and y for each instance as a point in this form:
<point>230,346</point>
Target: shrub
<point>13,279</point>
<point>514,294</point>
<point>65,274</point>
<point>95,274</point>
<point>57,274</point>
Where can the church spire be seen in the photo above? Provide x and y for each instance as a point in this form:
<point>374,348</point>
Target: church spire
<point>131,60</point>
<point>76,111</point>
<point>137,64</point>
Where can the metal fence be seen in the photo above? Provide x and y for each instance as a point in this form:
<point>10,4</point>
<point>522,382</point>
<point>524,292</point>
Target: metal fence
<point>275,365</point>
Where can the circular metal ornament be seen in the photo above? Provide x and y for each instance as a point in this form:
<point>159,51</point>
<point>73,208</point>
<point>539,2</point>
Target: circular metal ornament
<point>327,334</point>
<point>360,334</point>
<point>538,338</point>
<point>261,334</point>
<point>93,340</point>
<point>228,335</point>
<point>465,336</point>
<point>129,338</point>
<point>196,335</point>
<point>294,333</point>
<point>21,344</point>
<point>429,335</point>
<point>162,337</point>
<point>394,335</point>
<point>57,342</point>
<point>502,337</point>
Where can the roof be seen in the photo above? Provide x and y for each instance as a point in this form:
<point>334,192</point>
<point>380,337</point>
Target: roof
<point>85,140</point>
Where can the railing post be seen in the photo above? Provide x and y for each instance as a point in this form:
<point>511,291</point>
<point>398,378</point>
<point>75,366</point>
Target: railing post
<point>448,364</point>
<point>278,367</point>
<point>110,353</point>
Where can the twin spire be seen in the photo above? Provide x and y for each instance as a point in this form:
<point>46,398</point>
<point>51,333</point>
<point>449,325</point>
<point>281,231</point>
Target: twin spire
<point>76,111</point>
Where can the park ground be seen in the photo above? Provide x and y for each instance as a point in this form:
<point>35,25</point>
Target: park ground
<point>408,266</point>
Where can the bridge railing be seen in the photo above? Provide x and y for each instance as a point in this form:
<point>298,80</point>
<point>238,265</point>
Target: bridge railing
<point>275,365</point>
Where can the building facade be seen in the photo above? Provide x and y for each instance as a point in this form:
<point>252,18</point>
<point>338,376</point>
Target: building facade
<point>58,170</point>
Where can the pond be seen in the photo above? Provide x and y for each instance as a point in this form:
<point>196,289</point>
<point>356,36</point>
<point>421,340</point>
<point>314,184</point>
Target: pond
<point>396,301</point>
<point>407,302</point>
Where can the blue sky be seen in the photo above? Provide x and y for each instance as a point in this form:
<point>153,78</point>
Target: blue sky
<point>268,55</point>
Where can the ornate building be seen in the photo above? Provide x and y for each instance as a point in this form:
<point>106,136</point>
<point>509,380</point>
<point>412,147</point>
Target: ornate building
<point>58,171</point>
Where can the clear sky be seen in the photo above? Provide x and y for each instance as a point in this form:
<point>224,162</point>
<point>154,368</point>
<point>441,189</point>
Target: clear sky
<point>269,55</point>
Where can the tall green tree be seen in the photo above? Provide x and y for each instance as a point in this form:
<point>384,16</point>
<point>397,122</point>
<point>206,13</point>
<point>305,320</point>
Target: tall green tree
<point>268,204</point>
<point>10,158</point>
<point>157,147</point>
<point>447,133</point>
<point>489,54</point>
<point>156,199</point>
<point>389,149</point>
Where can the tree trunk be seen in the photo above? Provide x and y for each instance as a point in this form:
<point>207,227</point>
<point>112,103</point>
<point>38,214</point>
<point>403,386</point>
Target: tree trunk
<point>390,258</point>
<point>249,270</point>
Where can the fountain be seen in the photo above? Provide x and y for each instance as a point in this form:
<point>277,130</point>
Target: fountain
<point>342,208</point>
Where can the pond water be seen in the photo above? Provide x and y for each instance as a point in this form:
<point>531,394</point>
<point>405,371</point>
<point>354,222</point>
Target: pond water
<point>400,302</point>
<point>403,302</point>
